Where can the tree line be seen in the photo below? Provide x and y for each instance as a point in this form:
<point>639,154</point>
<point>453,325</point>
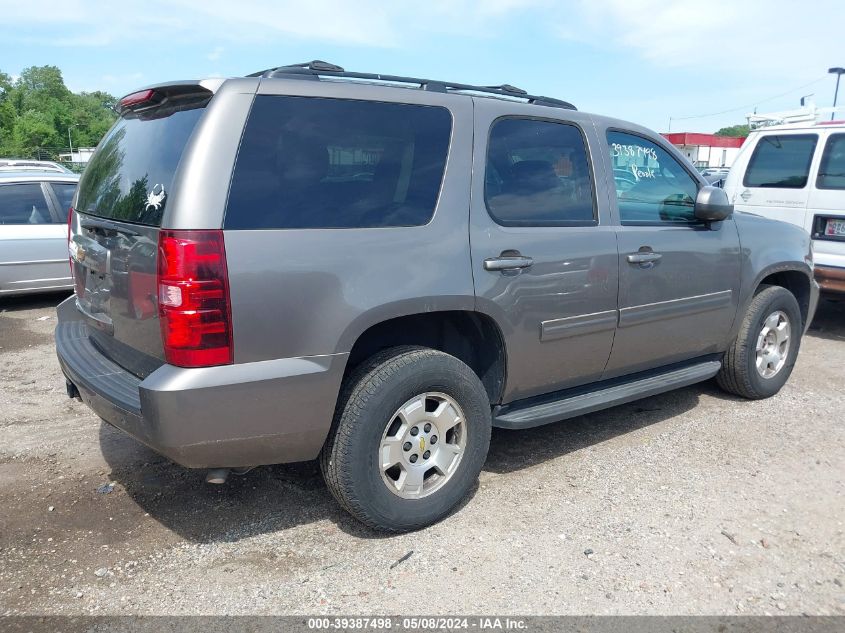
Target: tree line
<point>37,110</point>
<point>735,130</point>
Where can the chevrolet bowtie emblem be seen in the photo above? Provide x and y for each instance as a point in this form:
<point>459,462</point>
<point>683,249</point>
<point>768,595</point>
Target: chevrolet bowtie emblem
<point>422,443</point>
<point>77,252</point>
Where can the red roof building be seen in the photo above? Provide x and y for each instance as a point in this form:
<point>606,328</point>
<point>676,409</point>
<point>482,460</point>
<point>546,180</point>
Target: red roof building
<point>706,150</point>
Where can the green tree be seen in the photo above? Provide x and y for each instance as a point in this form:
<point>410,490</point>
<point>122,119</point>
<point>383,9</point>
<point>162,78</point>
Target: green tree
<point>5,85</point>
<point>37,110</point>
<point>43,81</point>
<point>33,130</point>
<point>734,130</point>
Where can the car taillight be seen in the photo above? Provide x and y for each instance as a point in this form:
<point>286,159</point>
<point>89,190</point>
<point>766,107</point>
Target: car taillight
<point>193,298</point>
<point>69,256</point>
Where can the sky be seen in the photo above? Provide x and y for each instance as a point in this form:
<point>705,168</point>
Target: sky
<point>646,61</point>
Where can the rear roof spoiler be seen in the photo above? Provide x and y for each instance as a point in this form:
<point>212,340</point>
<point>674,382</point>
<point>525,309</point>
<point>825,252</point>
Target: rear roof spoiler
<point>162,94</point>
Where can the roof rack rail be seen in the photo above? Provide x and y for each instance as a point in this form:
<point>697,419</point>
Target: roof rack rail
<point>808,113</point>
<point>314,69</point>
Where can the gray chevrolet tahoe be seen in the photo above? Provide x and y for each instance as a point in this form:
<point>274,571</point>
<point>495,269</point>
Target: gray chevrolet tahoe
<point>375,270</point>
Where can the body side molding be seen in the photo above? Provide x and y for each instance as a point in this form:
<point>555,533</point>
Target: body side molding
<point>636,315</point>
<point>577,325</point>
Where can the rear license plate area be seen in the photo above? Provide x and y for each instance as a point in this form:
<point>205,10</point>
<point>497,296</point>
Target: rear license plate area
<point>829,228</point>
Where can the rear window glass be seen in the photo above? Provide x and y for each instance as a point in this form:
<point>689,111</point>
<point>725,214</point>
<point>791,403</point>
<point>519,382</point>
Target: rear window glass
<point>781,161</point>
<point>330,163</point>
<point>538,174</point>
<point>832,169</point>
<point>130,174</point>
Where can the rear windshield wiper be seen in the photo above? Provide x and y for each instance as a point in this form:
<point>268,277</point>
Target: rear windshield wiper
<point>95,224</point>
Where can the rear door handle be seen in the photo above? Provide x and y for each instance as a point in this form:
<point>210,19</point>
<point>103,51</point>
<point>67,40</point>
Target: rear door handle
<point>508,262</point>
<point>643,257</point>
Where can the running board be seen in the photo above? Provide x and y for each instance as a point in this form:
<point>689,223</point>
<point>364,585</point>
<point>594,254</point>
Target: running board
<point>516,416</point>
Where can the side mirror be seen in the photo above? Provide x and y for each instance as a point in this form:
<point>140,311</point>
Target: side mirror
<point>712,205</point>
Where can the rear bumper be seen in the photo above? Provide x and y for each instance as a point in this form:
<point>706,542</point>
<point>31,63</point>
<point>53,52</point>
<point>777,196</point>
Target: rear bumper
<point>249,414</point>
<point>830,278</point>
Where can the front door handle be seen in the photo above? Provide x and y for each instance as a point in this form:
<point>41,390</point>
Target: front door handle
<point>508,262</point>
<point>643,257</point>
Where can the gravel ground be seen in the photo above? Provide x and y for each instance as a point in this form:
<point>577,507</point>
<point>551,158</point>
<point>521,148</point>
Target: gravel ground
<point>692,502</point>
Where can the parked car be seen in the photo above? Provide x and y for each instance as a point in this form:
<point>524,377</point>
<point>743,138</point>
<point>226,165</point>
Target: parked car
<point>715,175</point>
<point>623,179</point>
<point>375,270</point>
<point>33,231</point>
<point>796,173</point>
<point>21,164</point>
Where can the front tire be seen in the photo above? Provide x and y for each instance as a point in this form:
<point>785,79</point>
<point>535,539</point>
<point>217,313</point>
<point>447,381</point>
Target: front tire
<point>409,438</point>
<point>760,360</point>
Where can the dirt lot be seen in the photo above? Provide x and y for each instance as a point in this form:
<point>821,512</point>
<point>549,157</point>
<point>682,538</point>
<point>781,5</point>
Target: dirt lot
<point>690,502</point>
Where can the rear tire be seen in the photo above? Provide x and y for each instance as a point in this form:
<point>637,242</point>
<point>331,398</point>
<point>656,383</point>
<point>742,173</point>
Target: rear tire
<point>760,360</point>
<point>409,438</point>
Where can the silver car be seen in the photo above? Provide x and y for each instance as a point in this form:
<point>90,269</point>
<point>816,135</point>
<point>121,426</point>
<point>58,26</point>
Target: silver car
<point>33,231</point>
<point>15,164</point>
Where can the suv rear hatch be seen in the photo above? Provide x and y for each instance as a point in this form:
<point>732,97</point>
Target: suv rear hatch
<point>114,229</point>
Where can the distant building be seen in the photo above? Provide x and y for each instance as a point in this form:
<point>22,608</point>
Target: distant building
<point>79,155</point>
<point>706,150</point>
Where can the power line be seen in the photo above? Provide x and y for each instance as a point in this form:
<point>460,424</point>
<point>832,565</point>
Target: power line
<point>751,105</point>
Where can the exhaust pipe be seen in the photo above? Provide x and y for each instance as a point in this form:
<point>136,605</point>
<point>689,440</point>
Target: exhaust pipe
<point>72,391</point>
<point>217,476</point>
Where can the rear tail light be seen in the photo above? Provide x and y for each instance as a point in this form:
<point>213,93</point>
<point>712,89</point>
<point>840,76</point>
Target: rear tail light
<point>78,283</point>
<point>193,298</point>
<point>69,256</point>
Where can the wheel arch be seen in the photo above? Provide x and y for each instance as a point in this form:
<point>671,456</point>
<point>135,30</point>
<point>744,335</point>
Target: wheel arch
<point>471,336</point>
<point>793,276</point>
<point>795,279</point>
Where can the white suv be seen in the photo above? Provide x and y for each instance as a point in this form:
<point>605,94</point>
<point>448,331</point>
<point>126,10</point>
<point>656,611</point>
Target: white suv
<point>796,173</point>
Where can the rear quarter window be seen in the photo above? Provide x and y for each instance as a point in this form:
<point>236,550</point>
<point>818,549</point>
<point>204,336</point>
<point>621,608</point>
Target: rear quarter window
<point>832,168</point>
<point>64,194</point>
<point>308,162</point>
<point>781,161</point>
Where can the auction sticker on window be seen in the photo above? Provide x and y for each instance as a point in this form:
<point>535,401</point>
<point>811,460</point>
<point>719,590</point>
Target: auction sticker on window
<point>639,160</point>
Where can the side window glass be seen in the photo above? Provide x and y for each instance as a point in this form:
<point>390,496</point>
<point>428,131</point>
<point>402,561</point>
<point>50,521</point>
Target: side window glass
<point>23,204</point>
<point>651,186</point>
<point>832,170</point>
<point>312,162</point>
<point>538,174</point>
<point>781,161</point>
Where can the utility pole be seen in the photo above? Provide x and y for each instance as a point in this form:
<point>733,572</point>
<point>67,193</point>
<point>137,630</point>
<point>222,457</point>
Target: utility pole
<point>838,72</point>
<point>69,141</point>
